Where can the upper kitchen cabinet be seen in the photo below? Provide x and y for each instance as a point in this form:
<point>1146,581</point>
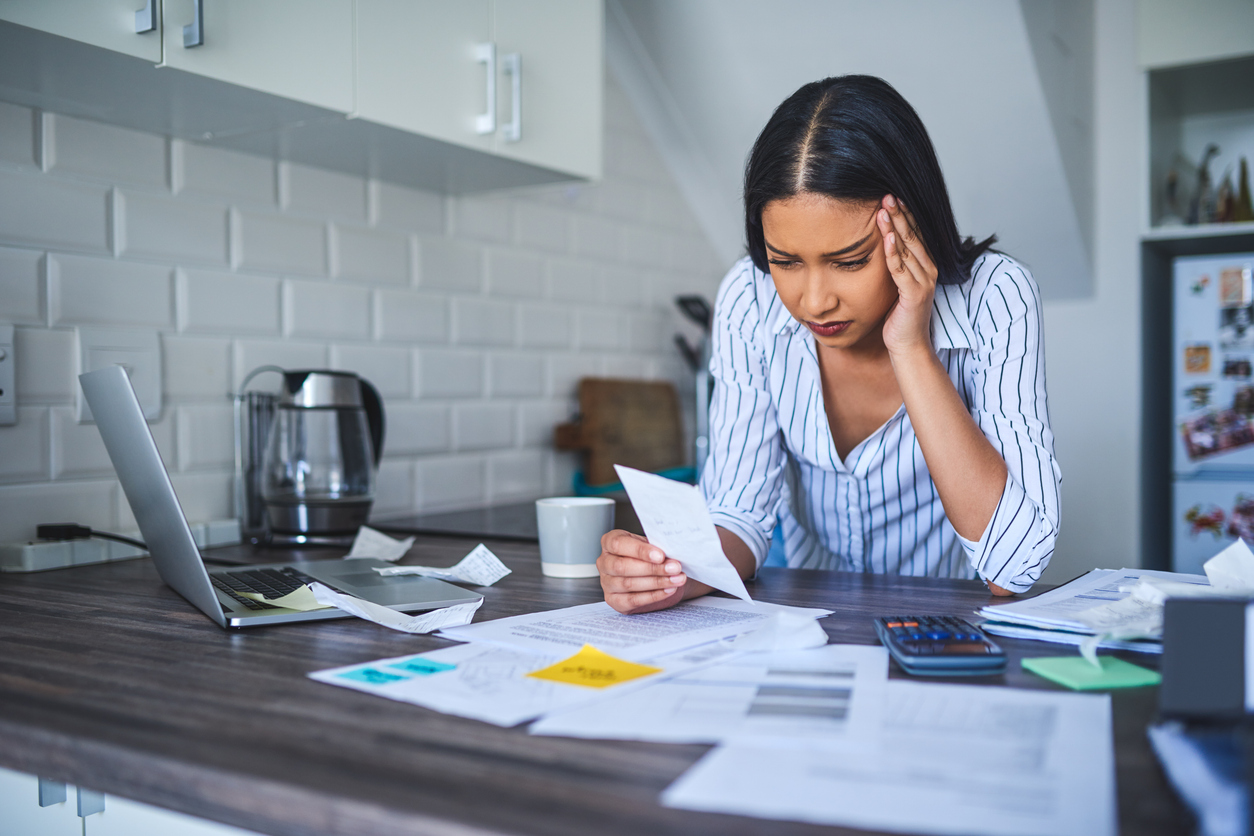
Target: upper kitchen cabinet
<point>112,24</point>
<point>426,66</point>
<point>549,56</point>
<point>297,49</point>
<point>521,79</point>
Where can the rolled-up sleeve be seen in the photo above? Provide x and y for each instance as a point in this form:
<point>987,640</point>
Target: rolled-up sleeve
<point>743,475</point>
<point>1005,390</point>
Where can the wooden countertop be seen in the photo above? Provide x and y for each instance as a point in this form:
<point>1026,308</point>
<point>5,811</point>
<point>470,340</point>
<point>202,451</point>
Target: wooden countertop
<point>110,680</point>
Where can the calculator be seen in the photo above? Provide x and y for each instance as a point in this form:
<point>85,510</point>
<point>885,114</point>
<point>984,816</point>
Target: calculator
<point>939,645</point>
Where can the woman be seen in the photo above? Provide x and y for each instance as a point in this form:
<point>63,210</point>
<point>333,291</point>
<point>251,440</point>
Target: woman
<point>879,381</point>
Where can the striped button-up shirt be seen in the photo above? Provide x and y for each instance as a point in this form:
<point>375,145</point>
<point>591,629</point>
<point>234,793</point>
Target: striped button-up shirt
<point>772,460</point>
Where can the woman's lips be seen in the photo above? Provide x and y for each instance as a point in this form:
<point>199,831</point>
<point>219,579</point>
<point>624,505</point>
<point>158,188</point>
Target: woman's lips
<point>828,329</point>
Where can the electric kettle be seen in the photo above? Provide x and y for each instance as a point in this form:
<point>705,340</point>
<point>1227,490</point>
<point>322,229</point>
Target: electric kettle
<point>321,453</point>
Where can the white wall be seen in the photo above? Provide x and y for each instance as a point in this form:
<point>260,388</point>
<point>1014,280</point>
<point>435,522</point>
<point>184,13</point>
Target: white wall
<point>474,316</point>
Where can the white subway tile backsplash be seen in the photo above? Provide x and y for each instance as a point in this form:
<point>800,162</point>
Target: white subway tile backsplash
<point>482,217</point>
<point>543,228</point>
<point>444,373</point>
<point>318,191</point>
<point>516,375</point>
<point>21,285</point>
<point>413,429</point>
<point>240,178</point>
<point>320,309</point>
<point>413,317</point>
<point>105,151</point>
<point>566,370</point>
<point>370,255</point>
<point>574,281</point>
<point>537,420</point>
<point>25,446</point>
<point>108,292</point>
<point>545,326</point>
<point>598,329</point>
<point>627,366</point>
<point>17,135</point>
<point>515,274</point>
<point>39,210</point>
<point>206,436</point>
<point>25,506</point>
<point>626,287</point>
<point>156,226</point>
<point>250,354</point>
<point>195,367</point>
<point>424,296</point>
<point>516,475</point>
<point>454,482</point>
<point>478,321</point>
<point>278,244</point>
<point>394,488</point>
<point>449,265</point>
<point>412,210</point>
<point>46,361</point>
<point>227,303</point>
<point>597,238</point>
<point>387,368</point>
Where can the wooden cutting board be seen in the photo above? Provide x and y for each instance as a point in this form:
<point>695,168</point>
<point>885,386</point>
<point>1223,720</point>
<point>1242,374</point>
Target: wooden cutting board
<point>630,422</point>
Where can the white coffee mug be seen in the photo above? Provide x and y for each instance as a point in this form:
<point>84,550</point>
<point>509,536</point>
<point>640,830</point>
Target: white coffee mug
<point>571,528</point>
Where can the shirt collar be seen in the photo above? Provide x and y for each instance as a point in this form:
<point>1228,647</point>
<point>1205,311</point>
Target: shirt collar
<point>951,327</point>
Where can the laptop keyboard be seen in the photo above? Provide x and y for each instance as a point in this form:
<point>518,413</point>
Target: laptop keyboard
<point>272,583</point>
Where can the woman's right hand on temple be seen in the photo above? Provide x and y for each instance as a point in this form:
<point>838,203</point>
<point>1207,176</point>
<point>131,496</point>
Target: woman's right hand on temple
<point>636,576</point>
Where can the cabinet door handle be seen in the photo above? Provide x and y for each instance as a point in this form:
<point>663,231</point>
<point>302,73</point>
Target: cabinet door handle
<point>146,18</point>
<point>90,802</point>
<point>51,792</point>
<point>485,123</point>
<point>194,32</point>
<point>511,65</point>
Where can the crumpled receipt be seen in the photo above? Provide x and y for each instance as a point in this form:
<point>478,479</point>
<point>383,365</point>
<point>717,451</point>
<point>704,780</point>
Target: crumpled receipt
<point>479,568</point>
<point>371,543</point>
<point>454,616</point>
<point>1232,570</point>
<point>784,631</point>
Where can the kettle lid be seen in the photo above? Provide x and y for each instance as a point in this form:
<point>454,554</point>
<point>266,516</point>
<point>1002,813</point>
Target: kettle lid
<point>320,389</point>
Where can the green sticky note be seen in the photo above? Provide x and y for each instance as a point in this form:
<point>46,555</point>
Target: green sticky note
<point>1078,674</point>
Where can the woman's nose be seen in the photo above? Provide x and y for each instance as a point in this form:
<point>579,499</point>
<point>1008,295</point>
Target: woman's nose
<point>817,295</point>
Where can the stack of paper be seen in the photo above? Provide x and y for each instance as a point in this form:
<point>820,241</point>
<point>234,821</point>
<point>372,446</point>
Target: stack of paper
<point>1063,615</point>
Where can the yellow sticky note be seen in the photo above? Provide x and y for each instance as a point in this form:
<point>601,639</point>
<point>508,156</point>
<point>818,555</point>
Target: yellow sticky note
<point>301,599</point>
<point>593,669</point>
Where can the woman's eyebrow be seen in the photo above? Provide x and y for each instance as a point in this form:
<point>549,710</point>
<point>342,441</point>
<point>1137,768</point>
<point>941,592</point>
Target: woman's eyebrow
<point>832,254</point>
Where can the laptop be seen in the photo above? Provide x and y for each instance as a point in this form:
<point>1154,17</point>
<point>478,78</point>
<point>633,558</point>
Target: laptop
<point>216,592</point>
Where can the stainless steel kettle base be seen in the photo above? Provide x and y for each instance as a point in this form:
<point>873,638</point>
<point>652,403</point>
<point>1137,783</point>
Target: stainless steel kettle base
<point>332,518</point>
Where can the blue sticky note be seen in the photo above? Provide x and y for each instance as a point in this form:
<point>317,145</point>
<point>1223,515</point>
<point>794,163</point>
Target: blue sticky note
<point>371,676</point>
<point>420,666</point>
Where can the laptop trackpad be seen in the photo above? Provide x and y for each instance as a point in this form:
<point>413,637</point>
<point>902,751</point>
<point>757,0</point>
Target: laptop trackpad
<point>364,579</point>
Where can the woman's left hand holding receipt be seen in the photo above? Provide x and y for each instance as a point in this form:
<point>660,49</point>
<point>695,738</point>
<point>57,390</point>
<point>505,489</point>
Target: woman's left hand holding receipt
<point>636,576</point>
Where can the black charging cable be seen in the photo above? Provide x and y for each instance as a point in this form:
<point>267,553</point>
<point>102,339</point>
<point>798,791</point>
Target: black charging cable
<point>73,531</point>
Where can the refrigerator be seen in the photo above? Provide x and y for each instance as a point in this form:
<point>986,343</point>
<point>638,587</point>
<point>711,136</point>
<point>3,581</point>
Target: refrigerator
<point>1212,406</point>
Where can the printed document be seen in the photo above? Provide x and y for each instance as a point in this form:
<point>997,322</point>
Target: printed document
<point>634,637</point>
<point>951,759</point>
<point>831,692</point>
<point>1057,609</point>
<point>675,518</point>
<point>493,683</point>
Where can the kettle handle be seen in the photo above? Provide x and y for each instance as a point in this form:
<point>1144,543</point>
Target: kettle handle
<point>373,404</point>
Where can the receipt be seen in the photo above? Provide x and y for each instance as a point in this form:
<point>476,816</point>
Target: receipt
<point>676,520</point>
<point>480,568</point>
<point>371,543</point>
<point>454,616</point>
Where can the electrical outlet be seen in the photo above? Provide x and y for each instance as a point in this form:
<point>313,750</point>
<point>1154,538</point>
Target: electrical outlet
<point>139,352</point>
<point>8,394</point>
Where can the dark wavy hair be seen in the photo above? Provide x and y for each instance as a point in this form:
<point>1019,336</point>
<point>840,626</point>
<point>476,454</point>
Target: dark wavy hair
<point>853,137</point>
